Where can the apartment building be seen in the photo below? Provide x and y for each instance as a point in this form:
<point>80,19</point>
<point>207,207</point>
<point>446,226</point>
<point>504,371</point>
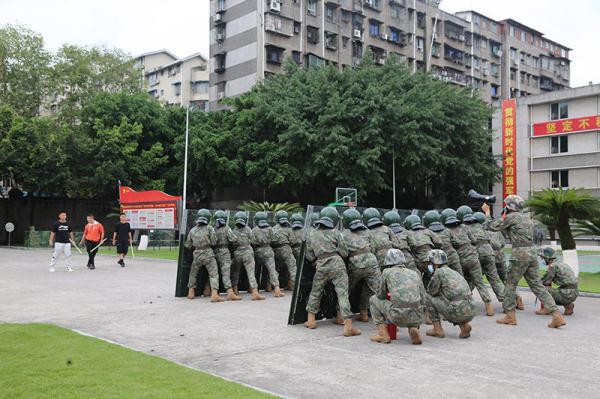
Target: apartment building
<point>175,81</point>
<point>249,39</point>
<point>554,141</point>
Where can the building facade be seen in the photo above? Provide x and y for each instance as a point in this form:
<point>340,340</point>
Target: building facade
<point>249,39</point>
<point>175,81</point>
<point>556,141</point>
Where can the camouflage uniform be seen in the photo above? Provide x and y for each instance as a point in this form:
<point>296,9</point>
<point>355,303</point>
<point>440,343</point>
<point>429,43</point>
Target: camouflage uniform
<point>243,255</point>
<point>421,241</point>
<point>498,242</point>
<point>323,247</point>
<point>406,306</point>
<point>523,260</point>
<point>382,239</point>
<point>283,250</point>
<point>362,264</point>
<point>450,296</point>
<point>445,238</point>
<point>563,276</point>
<point>262,237</point>
<point>402,238</point>
<point>463,241</point>
<point>296,240</point>
<point>487,258</point>
<point>224,237</point>
<point>202,238</point>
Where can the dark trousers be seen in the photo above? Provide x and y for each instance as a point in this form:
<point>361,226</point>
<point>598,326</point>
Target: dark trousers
<point>89,245</point>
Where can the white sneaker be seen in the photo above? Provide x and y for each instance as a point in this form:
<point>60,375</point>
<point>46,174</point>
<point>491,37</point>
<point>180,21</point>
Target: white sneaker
<point>69,269</point>
<point>52,269</point>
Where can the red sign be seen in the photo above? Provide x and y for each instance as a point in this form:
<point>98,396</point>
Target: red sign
<point>509,147</point>
<point>566,126</point>
<point>149,209</point>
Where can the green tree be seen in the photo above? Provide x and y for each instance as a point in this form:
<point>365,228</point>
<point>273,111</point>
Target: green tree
<point>24,69</point>
<point>560,206</point>
<point>587,227</point>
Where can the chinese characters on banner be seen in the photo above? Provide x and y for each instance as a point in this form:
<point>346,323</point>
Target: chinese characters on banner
<point>151,216</point>
<point>509,148</point>
<point>566,126</point>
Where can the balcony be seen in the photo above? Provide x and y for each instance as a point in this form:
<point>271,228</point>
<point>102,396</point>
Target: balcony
<point>278,24</point>
<point>453,55</point>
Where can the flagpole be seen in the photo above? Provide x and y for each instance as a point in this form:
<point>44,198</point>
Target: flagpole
<point>183,225</point>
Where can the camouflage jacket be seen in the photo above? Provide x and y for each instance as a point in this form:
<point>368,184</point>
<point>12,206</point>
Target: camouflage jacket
<point>449,284</point>
<point>402,238</point>
<point>516,226</point>
<point>296,237</point>
<point>358,246</point>
<point>241,238</point>
<point>484,248</point>
<point>323,244</point>
<point>405,286</point>
<point>224,237</point>
<point>497,241</point>
<point>421,242</point>
<point>561,275</point>
<point>262,238</point>
<point>446,239</point>
<point>382,238</point>
<point>282,235</point>
<point>202,239</point>
<point>463,241</point>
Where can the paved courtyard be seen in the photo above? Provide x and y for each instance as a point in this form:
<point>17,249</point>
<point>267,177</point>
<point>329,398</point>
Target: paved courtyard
<point>250,342</point>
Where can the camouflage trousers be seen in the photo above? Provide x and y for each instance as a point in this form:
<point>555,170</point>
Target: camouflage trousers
<point>563,296</point>
<point>372,279</point>
<point>211,266</point>
<point>244,257</point>
<point>332,269</point>
<point>296,251</point>
<point>285,257</point>
<point>488,267</point>
<point>500,265</point>
<point>472,273</point>
<point>456,312</point>
<point>224,261</point>
<point>454,262</point>
<point>266,257</point>
<point>383,310</point>
<point>523,263</point>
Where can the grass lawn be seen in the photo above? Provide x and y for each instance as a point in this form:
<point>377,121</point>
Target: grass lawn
<point>588,282</point>
<point>45,361</point>
<point>162,253</point>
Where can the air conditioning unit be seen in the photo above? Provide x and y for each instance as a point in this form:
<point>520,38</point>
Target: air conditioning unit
<point>275,5</point>
<point>220,95</point>
<point>357,33</point>
<point>384,36</point>
<point>220,37</point>
<point>461,38</point>
<point>218,17</point>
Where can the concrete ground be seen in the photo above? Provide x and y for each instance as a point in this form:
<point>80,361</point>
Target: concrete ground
<point>250,342</point>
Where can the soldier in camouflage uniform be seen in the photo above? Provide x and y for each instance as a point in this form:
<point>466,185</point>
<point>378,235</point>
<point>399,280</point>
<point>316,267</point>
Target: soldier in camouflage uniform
<point>404,305</point>
<point>421,241</point>
<point>464,243</point>
<point>523,261</point>
<point>362,263</point>
<point>222,254</point>
<point>202,238</point>
<point>382,236</point>
<point>324,248</point>
<point>282,246</point>
<point>449,295</point>
<point>487,257</point>
<point>393,221</point>
<point>296,234</point>
<point>433,221</point>
<point>498,242</point>
<point>243,255</point>
<point>263,237</point>
<point>561,275</point>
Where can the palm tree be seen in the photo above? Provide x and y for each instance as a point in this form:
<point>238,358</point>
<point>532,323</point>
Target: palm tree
<point>271,207</point>
<point>556,207</point>
<point>587,227</point>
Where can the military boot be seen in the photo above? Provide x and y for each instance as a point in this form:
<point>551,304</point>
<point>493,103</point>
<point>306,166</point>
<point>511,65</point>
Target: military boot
<point>520,305</point>
<point>382,335</point>
<point>363,316</point>
<point>543,311</point>
<point>268,287</point>
<point>437,330</point>
<point>191,293</point>
<point>235,290</point>
<point>311,321</point>
<point>350,331</point>
<point>415,338</point>
<point>207,291</point>
<point>339,320</point>
<point>557,320</point>
<point>256,296</point>
<point>489,309</point>
<point>569,308</point>
<point>290,285</point>
<point>231,296</point>
<point>215,297</point>
<point>278,293</point>
<point>509,318</point>
<point>465,330</point>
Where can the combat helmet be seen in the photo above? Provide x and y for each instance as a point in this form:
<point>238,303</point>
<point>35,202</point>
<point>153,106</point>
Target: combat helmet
<point>412,222</point>
<point>351,218</point>
<point>393,221</point>
<point>220,218</point>
<point>514,203</point>
<point>394,257</point>
<point>372,217</point>
<point>479,217</point>
<point>329,217</point>
<point>449,217</point>
<point>548,253</point>
<point>314,218</point>
<point>260,218</point>
<point>241,219</point>
<point>203,216</point>
<point>432,220</point>
<point>297,221</point>
<point>465,214</point>
<point>281,217</point>
<point>437,257</point>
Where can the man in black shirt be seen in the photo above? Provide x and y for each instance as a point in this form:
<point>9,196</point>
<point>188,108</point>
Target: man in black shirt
<point>61,237</point>
<point>122,238</point>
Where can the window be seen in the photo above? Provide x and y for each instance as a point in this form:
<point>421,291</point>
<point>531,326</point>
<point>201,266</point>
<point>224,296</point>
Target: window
<point>522,36</point>
<point>435,49</point>
<point>513,53</point>
<point>220,33</point>
<point>396,11</point>
<point>344,41</point>
<point>221,89</point>
<point>200,87</point>
<point>495,70</point>
<point>312,34</point>
<point>511,31</point>
<point>559,144</point>
<point>177,88</point>
<point>420,43</point>
<point>330,12</point>
<point>560,178</point>
<point>221,5</point>
<point>220,63</point>
<point>174,70</point>
<point>495,91</point>
<point>494,27</point>
<point>374,28</point>
<point>153,79</point>
<point>314,61</point>
<point>420,20</point>
<point>311,7</point>
<point>357,49</point>
<point>296,56</point>
<point>296,28</point>
<point>274,55</point>
<point>559,110</point>
<point>346,16</point>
